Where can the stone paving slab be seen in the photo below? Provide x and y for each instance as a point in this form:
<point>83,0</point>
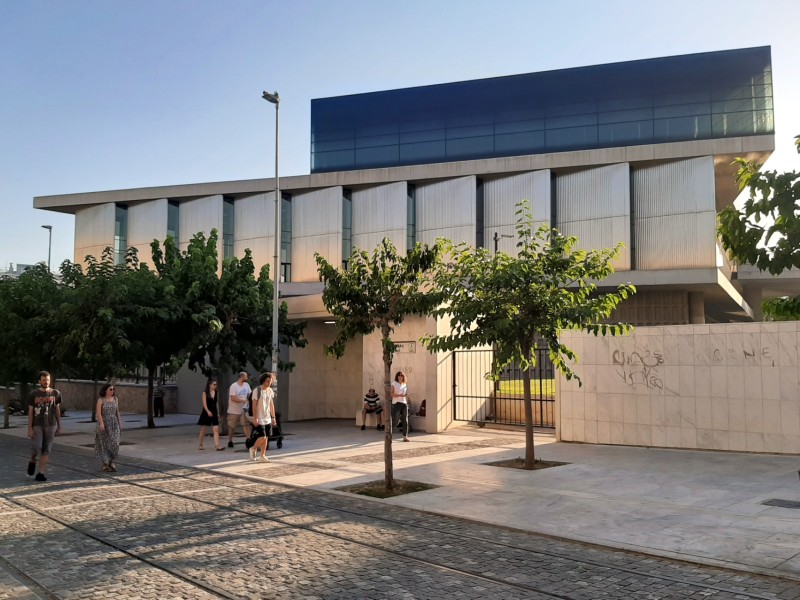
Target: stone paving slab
<point>207,527</point>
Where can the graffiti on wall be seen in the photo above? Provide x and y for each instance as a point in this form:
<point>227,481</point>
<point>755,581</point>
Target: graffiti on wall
<point>642,368</point>
<point>639,368</point>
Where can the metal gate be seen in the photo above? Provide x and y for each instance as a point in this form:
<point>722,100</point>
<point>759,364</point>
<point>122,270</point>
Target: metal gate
<point>481,400</point>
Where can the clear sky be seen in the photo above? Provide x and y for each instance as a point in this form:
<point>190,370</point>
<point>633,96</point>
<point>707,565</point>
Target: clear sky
<point>109,94</point>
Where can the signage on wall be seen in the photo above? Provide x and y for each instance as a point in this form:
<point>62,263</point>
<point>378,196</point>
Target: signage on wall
<point>406,347</point>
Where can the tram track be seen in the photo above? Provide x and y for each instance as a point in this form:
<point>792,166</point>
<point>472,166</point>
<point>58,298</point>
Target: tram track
<point>309,499</point>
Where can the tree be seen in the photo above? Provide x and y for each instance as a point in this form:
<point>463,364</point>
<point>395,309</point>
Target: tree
<point>507,302</point>
<point>32,308</point>
<point>224,316</point>
<point>100,316</point>
<point>765,232</point>
<point>376,293</point>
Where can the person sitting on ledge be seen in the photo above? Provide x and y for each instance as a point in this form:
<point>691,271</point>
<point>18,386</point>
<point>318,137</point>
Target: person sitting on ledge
<point>372,405</point>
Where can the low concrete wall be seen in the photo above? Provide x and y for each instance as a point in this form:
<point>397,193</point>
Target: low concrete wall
<point>81,395</point>
<point>721,387</point>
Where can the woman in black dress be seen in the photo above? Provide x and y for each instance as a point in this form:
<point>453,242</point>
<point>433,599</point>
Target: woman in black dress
<point>209,415</point>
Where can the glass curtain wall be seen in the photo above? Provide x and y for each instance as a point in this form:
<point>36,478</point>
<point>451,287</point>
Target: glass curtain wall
<point>227,227</point>
<point>680,98</point>
<point>286,237</point>
<point>173,221</point>
<point>120,233</point>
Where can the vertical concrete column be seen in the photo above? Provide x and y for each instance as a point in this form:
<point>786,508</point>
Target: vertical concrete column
<point>697,310</point>
<point>754,298</point>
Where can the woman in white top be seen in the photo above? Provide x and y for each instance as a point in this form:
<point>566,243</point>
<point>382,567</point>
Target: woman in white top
<point>400,402</point>
<point>263,416</point>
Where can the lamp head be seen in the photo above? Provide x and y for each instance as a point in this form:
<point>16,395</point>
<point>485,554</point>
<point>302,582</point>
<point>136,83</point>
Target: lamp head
<point>49,227</point>
<point>273,98</point>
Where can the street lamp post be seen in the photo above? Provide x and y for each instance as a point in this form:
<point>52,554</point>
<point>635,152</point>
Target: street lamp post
<point>275,99</point>
<point>49,242</point>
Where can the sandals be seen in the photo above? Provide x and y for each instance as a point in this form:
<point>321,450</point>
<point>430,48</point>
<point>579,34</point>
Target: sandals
<point>220,448</point>
<point>201,448</point>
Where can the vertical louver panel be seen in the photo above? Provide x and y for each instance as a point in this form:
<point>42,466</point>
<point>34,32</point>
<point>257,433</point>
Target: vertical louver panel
<point>594,205</point>
<point>380,212</point>
<point>675,215</point>
<point>500,202</point>
<point>446,209</point>
<point>317,227</point>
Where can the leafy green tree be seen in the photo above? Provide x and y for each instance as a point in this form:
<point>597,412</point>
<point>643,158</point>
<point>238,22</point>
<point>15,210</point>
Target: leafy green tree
<point>224,314</point>
<point>765,232</point>
<point>376,293</point>
<point>509,302</point>
<point>96,343</point>
<point>32,308</point>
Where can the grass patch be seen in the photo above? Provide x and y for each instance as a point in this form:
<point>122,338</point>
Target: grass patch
<point>377,489</point>
<point>519,463</point>
<point>514,386</point>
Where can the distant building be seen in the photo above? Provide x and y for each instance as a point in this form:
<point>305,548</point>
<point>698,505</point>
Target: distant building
<point>15,270</point>
<point>637,152</point>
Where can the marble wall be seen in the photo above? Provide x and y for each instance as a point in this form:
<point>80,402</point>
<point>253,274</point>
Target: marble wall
<point>720,387</point>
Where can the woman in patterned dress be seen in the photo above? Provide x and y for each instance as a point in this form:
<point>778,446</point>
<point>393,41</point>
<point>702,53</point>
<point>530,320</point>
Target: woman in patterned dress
<point>109,425</point>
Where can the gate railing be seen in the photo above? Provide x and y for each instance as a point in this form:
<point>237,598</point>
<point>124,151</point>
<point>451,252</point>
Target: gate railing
<point>482,400</point>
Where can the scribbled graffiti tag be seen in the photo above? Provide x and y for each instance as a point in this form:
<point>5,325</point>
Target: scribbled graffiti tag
<point>639,368</point>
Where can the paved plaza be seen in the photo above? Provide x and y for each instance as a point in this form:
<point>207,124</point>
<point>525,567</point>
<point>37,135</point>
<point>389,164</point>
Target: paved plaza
<point>176,522</point>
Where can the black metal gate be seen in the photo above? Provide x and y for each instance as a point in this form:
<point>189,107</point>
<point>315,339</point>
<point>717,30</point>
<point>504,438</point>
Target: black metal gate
<point>481,400</point>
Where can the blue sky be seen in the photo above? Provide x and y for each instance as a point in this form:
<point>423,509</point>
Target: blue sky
<point>107,94</point>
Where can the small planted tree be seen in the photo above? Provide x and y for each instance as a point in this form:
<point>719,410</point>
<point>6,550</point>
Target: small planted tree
<point>765,232</point>
<point>376,293</point>
<point>509,301</point>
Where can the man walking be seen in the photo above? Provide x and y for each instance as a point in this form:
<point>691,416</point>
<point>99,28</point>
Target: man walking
<point>237,407</point>
<point>44,422</point>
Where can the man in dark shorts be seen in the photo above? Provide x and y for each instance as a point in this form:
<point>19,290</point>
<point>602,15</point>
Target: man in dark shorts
<point>44,423</point>
<point>372,405</point>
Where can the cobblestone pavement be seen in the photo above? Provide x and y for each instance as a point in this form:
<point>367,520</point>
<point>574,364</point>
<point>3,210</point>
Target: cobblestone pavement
<point>154,530</point>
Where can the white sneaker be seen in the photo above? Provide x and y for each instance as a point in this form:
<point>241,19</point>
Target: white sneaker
<point>253,453</point>
<point>263,459</point>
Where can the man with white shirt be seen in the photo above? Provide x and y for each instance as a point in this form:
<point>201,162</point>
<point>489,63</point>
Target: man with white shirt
<point>237,407</point>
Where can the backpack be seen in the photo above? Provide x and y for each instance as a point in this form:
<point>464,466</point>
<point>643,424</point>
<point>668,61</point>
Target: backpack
<point>250,401</point>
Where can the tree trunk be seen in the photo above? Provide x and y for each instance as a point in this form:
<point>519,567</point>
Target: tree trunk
<point>387,443</point>
<point>151,424</point>
<point>94,400</point>
<point>7,406</point>
<point>530,459</point>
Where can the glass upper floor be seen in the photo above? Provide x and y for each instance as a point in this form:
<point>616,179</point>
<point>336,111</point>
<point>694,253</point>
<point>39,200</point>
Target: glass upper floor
<point>672,99</point>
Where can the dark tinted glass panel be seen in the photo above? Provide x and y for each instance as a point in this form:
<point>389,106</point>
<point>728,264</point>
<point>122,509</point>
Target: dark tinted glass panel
<point>371,157</point>
<point>683,128</point>
<point>519,143</point>
<point>423,152</point>
<point>333,145</point>
<point>627,133</point>
<point>332,161</point>
<point>376,141</point>
<point>431,135</point>
<point>470,131</point>
<point>471,147</point>
<point>572,138</point>
<point>666,99</point>
<point>518,126</point>
<point>623,116</point>
<point>571,121</point>
<point>682,110</point>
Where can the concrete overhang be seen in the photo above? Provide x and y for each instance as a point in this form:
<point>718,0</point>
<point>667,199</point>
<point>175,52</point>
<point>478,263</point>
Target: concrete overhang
<point>724,150</point>
<point>772,286</point>
<point>722,300</point>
